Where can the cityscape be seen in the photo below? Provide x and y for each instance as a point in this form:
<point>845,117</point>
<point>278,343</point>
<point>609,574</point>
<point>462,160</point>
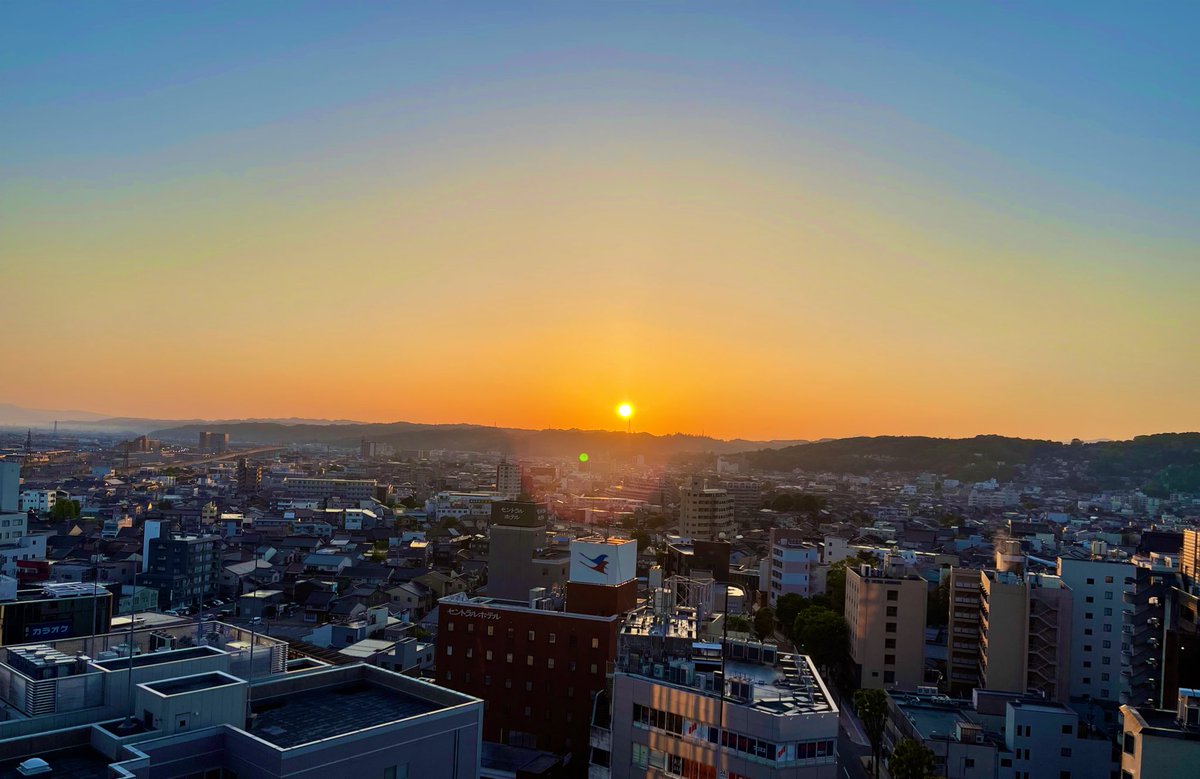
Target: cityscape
<point>599,391</point>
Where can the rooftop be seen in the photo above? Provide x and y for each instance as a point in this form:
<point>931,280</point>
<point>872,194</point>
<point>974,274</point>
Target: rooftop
<point>291,720</point>
<point>81,762</point>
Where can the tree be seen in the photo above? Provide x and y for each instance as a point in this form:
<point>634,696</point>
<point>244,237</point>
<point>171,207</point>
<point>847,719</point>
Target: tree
<point>764,622</point>
<point>786,609</point>
<point>871,708</point>
<point>835,586</point>
<point>642,538</point>
<point>65,509</point>
<point>911,760</point>
<point>937,606</point>
<point>823,634</point>
<point>738,624</point>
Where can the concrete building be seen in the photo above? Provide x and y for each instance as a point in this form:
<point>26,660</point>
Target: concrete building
<point>682,706</point>
<point>747,495</point>
<point>508,480</point>
<point>962,655</point>
<point>10,486</point>
<point>1023,625</point>
<point>1025,633</point>
<point>885,609</point>
<point>185,569</point>
<point>1098,616</point>
<point>538,668</point>
<point>40,501</point>
<point>704,513</point>
<point>190,696</point>
<point>323,488</point>
<point>998,735</point>
<point>790,567</point>
<point>1162,744</point>
<point>519,557</point>
<point>213,443</point>
<point>52,610</point>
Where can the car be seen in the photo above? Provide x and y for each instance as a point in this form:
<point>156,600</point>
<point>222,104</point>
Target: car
<point>256,620</point>
<point>218,602</point>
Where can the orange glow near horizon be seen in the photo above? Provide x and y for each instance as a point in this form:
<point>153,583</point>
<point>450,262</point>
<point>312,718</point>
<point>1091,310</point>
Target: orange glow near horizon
<point>755,228</point>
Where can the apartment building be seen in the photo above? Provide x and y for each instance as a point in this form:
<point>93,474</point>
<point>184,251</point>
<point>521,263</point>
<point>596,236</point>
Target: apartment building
<point>791,566</point>
<point>704,512</point>
<point>885,609</point>
<point>1162,744</point>
<point>1098,616</point>
<point>692,708</point>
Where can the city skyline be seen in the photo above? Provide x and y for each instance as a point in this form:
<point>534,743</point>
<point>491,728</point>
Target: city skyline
<point>763,222</point>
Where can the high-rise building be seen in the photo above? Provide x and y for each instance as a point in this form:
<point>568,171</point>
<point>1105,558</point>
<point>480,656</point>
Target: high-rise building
<point>1189,558</point>
<point>704,512</point>
<point>747,495</point>
<point>185,569</point>
<point>213,443</point>
<point>790,567</point>
<point>1025,633</point>
<point>249,477</point>
<point>518,555</point>
<point>1098,615</point>
<point>885,609</point>
<point>962,655</point>
<point>10,486</point>
<point>685,706</point>
<point>508,480</point>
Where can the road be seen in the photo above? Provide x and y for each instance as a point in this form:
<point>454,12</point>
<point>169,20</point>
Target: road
<point>849,752</point>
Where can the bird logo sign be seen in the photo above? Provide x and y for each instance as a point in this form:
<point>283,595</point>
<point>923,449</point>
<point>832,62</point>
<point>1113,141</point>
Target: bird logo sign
<point>599,563</point>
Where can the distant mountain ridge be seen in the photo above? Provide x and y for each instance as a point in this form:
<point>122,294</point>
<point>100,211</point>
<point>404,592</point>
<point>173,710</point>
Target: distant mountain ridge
<point>1158,463</point>
<point>475,438</point>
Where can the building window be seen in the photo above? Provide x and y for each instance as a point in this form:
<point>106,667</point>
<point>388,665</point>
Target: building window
<point>889,659</point>
<point>893,595</point>
<point>491,630</point>
<point>508,657</point>
<point>552,638</point>
<point>450,627</point>
<point>488,655</point>
<point>891,611</point>
<point>449,650</point>
<point>1108,596</point>
<point>595,643</point>
<point>549,662</point>
<point>889,643</point>
<point>1067,729</point>
<point>595,668</point>
<point>531,635</point>
<point>1108,580</point>
<point>890,627</point>
<point>1130,745</point>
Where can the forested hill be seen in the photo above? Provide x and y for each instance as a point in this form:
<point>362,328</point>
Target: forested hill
<point>1159,463</point>
<point>471,438</point>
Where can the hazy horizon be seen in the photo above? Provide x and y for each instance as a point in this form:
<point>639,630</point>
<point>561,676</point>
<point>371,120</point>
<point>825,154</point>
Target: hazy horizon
<point>759,221</point>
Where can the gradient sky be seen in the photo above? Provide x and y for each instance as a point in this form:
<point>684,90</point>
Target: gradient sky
<point>760,220</point>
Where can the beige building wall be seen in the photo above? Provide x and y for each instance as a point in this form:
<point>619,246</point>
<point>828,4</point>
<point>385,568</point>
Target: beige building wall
<point>1003,634</point>
<point>887,629</point>
<point>1146,754</point>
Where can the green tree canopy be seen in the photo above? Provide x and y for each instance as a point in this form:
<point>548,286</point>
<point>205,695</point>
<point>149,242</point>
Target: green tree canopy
<point>822,634</point>
<point>65,509</point>
<point>786,609</point>
<point>911,760</point>
<point>764,622</point>
<point>871,708</point>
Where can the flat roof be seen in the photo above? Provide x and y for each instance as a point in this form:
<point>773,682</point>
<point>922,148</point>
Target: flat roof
<point>81,762</point>
<point>291,720</point>
<point>155,658</point>
<point>184,684</point>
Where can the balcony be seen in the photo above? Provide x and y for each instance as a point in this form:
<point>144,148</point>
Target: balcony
<point>600,738</point>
